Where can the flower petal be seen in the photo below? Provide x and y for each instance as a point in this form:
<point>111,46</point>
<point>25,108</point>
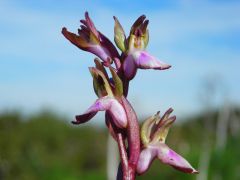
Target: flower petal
<point>89,23</point>
<point>162,127</point>
<point>129,67</point>
<point>137,23</point>
<point>139,34</point>
<point>170,157</point>
<point>144,60</point>
<point>146,157</point>
<point>105,104</point>
<point>118,86</point>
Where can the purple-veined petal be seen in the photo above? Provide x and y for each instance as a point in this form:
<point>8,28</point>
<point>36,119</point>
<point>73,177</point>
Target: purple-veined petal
<point>170,157</point>
<point>144,60</point>
<point>146,157</point>
<point>109,104</point>
<point>129,67</point>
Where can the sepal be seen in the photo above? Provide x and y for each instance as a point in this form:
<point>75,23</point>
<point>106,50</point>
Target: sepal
<point>118,86</point>
<point>119,35</point>
<point>100,83</point>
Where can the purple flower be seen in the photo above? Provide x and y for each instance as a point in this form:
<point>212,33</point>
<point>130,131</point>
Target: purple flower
<point>134,48</point>
<point>108,94</point>
<point>105,103</point>
<point>91,40</point>
<point>153,134</point>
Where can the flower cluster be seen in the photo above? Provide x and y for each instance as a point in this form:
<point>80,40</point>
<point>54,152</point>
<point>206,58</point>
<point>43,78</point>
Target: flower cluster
<point>121,118</point>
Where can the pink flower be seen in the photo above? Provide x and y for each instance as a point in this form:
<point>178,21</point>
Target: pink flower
<point>91,40</point>
<point>133,48</point>
<point>109,94</point>
<point>153,134</point>
<point>105,103</point>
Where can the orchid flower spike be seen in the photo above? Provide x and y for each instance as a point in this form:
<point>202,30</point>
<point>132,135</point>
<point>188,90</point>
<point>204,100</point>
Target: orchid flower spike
<point>134,48</point>
<point>109,95</point>
<point>91,40</point>
<point>153,135</point>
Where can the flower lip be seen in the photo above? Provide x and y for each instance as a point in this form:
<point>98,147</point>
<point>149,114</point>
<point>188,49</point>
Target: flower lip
<point>170,157</point>
<point>165,155</point>
<point>146,61</point>
<point>140,59</point>
<point>106,103</point>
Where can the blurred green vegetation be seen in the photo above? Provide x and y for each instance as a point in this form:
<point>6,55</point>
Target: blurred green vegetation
<point>46,146</point>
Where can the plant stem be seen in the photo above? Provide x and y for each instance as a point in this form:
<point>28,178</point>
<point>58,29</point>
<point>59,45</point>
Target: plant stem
<point>122,150</point>
<point>123,157</point>
<point>127,168</point>
<point>133,138</point>
<point>119,137</point>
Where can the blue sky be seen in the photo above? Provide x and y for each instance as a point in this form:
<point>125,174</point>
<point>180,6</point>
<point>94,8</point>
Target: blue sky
<point>40,69</point>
